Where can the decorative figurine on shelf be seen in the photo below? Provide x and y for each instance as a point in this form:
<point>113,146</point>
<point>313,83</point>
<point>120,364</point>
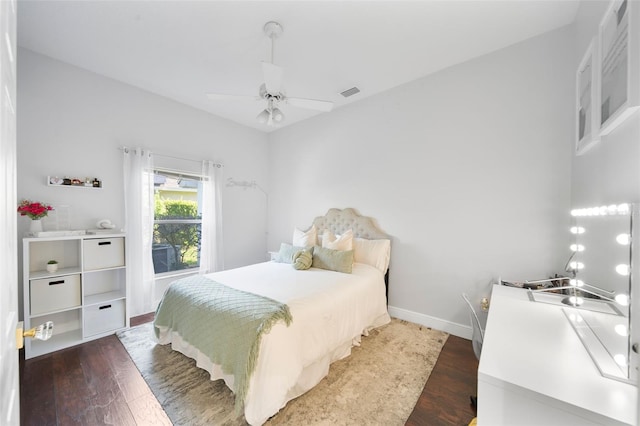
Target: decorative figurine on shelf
<point>105,224</point>
<point>52,266</point>
<point>36,211</point>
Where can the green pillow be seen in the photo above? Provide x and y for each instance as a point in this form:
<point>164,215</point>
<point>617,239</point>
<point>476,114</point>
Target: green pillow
<point>285,255</point>
<point>302,259</point>
<point>333,260</point>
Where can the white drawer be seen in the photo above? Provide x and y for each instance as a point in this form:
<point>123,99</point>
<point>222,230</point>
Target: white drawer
<point>54,294</point>
<point>104,317</point>
<point>103,253</point>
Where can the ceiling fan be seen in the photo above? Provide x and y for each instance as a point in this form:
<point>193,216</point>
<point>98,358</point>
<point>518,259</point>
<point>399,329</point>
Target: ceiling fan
<point>271,89</point>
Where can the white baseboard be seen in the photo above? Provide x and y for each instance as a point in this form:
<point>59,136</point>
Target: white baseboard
<point>459,330</point>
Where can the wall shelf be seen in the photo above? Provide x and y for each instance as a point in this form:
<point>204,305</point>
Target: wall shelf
<point>74,182</point>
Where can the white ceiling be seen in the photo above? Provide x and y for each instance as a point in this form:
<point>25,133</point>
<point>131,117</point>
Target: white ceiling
<point>184,49</point>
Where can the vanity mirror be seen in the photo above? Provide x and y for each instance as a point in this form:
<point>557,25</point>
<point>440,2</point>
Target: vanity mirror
<point>601,276</point>
<point>595,296</point>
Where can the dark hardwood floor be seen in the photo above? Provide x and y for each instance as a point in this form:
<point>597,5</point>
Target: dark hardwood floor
<point>97,383</point>
<point>445,397</point>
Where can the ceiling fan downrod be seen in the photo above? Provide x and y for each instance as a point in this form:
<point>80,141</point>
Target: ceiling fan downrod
<point>272,29</point>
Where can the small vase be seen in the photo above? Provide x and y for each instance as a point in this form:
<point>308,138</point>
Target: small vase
<point>35,226</point>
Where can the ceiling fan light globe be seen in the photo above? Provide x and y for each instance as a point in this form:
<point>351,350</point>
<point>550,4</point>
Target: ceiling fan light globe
<point>263,117</point>
<point>278,116</point>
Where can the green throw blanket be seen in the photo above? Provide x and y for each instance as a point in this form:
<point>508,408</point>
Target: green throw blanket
<point>223,323</point>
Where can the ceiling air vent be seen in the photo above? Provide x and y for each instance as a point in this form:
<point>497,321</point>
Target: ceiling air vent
<point>350,92</point>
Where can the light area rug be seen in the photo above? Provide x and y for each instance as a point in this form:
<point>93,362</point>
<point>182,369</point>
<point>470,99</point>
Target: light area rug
<point>378,384</point>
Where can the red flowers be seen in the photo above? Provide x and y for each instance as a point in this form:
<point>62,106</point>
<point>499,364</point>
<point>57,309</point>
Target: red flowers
<point>33,209</point>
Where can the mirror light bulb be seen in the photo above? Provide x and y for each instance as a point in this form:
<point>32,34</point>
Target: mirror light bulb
<point>575,318</point>
<point>577,230</point>
<point>576,301</point>
<point>576,247</point>
<point>622,299</point>
<point>576,265</point>
<point>623,269</point>
<point>623,239</point>
<point>576,283</point>
<point>621,329</point>
<point>620,359</point>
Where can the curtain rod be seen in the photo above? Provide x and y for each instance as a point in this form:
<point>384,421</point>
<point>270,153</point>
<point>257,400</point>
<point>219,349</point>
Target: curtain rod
<point>125,148</point>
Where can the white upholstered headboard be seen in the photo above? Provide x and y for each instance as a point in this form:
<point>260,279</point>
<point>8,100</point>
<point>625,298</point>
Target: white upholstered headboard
<point>338,221</point>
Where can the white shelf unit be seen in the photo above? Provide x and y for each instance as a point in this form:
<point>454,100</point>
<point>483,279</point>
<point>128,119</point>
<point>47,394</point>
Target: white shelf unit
<point>86,298</point>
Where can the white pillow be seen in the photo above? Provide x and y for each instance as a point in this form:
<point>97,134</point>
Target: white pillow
<point>342,242</point>
<point>372,252</point>
<point>305,239</point>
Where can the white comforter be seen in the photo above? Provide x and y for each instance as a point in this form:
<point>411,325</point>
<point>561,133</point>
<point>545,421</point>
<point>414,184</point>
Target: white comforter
<point>330,311</point>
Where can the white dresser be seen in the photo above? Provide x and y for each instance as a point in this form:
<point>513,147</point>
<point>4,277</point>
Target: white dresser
<point>86,297</point>
<point>534,370</point>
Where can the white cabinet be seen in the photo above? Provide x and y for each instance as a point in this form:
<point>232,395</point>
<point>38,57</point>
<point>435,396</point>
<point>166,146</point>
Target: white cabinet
<point>85,298</point>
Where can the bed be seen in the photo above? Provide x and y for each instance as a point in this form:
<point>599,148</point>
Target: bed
<point>320,313</point>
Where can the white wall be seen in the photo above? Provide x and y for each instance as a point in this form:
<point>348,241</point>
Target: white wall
<point>467,169</point>
<point>71,122</point>
<point>608,172</point>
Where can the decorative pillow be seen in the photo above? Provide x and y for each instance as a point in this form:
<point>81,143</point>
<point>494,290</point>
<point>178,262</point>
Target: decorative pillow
<point>302,259</point>
<point>305,238</point>
<point>333,260</point>
<point>285,255</point>
<point>372,252</point>
<point>337,242</point>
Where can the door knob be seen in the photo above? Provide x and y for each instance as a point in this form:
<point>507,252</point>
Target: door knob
<point>41,332</point>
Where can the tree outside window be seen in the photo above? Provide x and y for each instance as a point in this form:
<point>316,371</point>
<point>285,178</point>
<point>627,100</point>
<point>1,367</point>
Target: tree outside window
<point>177,222</point>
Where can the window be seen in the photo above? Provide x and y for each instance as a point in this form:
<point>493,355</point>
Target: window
<point>177,221</point>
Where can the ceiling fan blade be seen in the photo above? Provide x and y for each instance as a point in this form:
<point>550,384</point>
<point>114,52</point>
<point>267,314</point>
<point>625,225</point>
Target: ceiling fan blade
<point>224,97</point>
<point>272,77</point>
<point>324,106</point>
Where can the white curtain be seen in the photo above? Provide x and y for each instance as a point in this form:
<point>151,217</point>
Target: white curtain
<point>139,210</point>
<point>211,252</point>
